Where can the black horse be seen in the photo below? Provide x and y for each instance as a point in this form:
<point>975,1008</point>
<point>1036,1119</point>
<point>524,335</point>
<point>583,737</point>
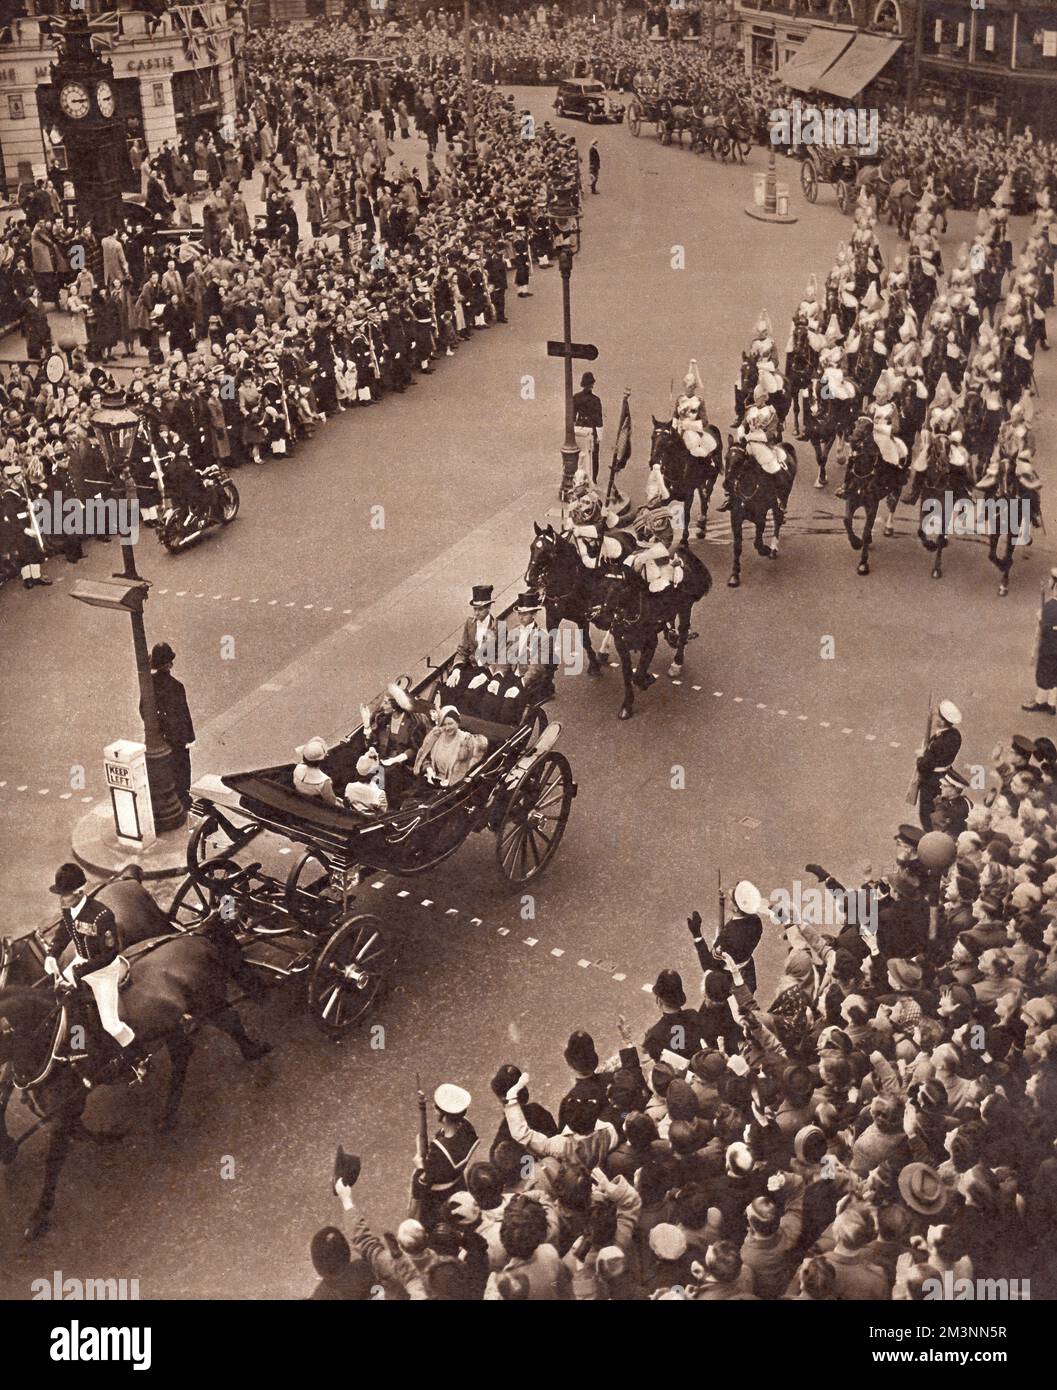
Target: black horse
<point>683,475</point>
<point>634,617</point>
<point>939,489</point>
<point>1010,510</point>
<point>980,428</point>
<point>173,978</point>
<point>569,589</point>
<point>867,479</point>
<point>755,494</point>
<point>801,362</point>
<point>825,421</point>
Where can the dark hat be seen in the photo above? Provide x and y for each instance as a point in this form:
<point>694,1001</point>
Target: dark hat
<point>528,602</point>
<point>482,594</point>
<point>1022,744</point>
<point>161,654</point>
<point>668,988</point>
<point>682,1101</point>
<point>708,1065</point>
<point>909,834</point>
<point>587,379</point>
<point>68,878</point>
<point>1045,750</point>
<point>580,1052</point>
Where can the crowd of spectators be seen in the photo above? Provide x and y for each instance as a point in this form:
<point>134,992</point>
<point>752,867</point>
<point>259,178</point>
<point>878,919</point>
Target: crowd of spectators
<point>884,1127</point>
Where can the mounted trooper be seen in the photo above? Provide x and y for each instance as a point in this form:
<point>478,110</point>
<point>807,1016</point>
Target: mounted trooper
<point>884,412</point>
<point>653,556</point>
<point>586,524</point>
<point>691,417</point>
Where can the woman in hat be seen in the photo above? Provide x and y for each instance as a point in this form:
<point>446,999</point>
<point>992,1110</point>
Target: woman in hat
<point>448,751</point>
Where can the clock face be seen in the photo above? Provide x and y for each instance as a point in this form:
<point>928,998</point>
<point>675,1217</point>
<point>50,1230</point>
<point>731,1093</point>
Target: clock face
<point>75,101</point>
<point>105,98</point>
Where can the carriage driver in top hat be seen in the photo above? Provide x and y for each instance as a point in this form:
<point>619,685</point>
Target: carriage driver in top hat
<point>89,926</point>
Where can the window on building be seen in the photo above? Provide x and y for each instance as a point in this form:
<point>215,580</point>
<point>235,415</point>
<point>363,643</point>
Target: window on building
<point>888,17</point>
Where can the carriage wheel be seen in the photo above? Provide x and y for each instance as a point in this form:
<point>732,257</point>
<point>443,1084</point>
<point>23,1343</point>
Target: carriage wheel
<point>229,503</point>
<point>809,181</point>
<point>635,121</point>
<point>534,821</point>
<point>209,842</point>
<point>844,200</point>
<point>314,882</point>
<point>194,901</point>
<point>348,974</point>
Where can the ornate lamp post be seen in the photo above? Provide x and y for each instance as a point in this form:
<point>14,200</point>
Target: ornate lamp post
<point>570,451</point>
<point>115,428</point>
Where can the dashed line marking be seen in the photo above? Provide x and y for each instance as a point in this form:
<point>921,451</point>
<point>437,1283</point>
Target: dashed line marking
<point>475,921</point>
<point>163,591</point>
<point>823,724</point>
<point>557,951</point>
<point>583,964</point>
<point>695,687</point>
<point>847,731</point>
<point>285,849</point>
<point>403,893</point>
<point>675,682</point>
<point>23,789</point>
<point>718,694</point>
<point>759,706</point>
<point>427,902</point>
<point>802,718</point>
<point>647,989</point>
<point>43,791</point>
<point>377,885</point>
<point>65,796</point>
<point>532,941</point>
<point>503,931</point>
<point>452,912</point>
<point>870,738</point>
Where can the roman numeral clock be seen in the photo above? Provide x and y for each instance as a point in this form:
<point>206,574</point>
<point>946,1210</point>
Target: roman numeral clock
<point>94,136</point>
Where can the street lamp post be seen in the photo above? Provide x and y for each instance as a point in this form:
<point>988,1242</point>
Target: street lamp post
<point>115,427</point>
<point>570,452</point>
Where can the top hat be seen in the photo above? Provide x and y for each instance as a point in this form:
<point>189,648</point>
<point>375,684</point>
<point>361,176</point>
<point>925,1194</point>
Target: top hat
<point>587,379</point>
<point>481,597</point>
<point>528,602</point>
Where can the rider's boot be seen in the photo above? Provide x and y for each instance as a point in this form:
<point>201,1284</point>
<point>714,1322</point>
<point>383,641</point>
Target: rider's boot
<point>137,1060</point>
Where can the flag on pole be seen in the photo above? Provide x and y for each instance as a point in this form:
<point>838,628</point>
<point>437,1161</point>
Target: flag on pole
<point>622,445</point>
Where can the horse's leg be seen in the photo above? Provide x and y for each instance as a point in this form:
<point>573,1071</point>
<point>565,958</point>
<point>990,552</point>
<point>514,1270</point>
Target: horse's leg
<point>891,502</point>
<point>627,709</point>
<point>64,1124</point>
<point>941,545</point>
<point>688,507</point>
<point>704,494</point>
<point>682,628</point>
<point>760,523</point>
<point>594,661</point>
<point>872,503</point>
<point>181,1050</point>
<point>8,1147</point>
<point>643,676</point>
<point>736,520</point>
<point>229,1022</point>
<point>850,506</point>
<point>778,513</point>
<point>1006,567</point>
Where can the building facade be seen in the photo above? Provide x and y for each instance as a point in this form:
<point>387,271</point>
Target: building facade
<point>996,63</point>
<point>174,76</point>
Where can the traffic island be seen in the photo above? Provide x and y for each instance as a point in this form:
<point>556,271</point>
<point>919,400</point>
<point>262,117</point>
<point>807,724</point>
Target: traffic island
<point>769,211</point>
<point>99,851</point>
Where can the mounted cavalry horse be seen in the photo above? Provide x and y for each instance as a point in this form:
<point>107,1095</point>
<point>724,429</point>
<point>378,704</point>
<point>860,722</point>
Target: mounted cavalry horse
<point>868,478</point>
<point>940,485</point>
<point>175,980</point>
<point>635,615</point>
<point>755,494</point>
<point>567,586</point>
<point>1011,508</point>
<point>684,475</point>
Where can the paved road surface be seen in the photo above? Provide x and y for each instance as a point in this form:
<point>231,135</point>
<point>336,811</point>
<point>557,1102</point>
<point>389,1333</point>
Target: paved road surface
<point>786,756</point>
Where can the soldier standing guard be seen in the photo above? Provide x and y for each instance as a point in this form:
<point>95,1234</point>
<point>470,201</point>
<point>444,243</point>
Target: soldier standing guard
<point>1045,701</point>
<point>440,1171</point>
<point>936,759</point>
<point>587,424</point>
<point>737,938</point>
<point>174,718</point>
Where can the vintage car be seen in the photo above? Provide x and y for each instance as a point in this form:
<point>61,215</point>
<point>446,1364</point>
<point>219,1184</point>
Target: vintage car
<point>586,96</point>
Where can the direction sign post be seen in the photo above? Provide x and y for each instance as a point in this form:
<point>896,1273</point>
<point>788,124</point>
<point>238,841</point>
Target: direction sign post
<point>570,351</point>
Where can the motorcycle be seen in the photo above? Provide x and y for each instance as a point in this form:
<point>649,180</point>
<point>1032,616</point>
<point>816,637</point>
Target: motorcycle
<point>180,527</point>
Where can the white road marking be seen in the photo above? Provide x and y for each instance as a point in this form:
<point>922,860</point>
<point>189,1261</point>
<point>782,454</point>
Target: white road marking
<point>557,951</point>
<point>377,885</point>
<point>427,902</point>
<point>532,941</point>
<point>452,912</point>
<point>847,731</point>
<point>403,893</point>
<point>583,964</point>
<point>759,706</point>
<point>475,921</point>
<point>823,724</point>
<point>870,738</point>
<point>503,931</point>
<point>23,789</point>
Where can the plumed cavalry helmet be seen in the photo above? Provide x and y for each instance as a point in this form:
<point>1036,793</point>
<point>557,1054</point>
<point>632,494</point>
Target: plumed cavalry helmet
<point>585,510</point>
<point>692,381</point>
<point>657,522</point>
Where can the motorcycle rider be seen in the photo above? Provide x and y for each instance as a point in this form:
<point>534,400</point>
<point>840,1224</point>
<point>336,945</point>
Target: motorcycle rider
<point>185,484</point>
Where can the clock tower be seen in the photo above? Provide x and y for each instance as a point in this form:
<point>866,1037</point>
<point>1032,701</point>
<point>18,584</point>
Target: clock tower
<point>94,136</point>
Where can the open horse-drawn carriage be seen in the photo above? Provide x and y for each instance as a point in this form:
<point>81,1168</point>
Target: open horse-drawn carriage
<point>670,113</point>
<point>840,167</point>
<point>306,923</point>
<point>234,926</point>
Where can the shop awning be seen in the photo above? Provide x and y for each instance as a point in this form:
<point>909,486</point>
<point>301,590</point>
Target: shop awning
<point>820,49</point>
<point>858,65</point>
